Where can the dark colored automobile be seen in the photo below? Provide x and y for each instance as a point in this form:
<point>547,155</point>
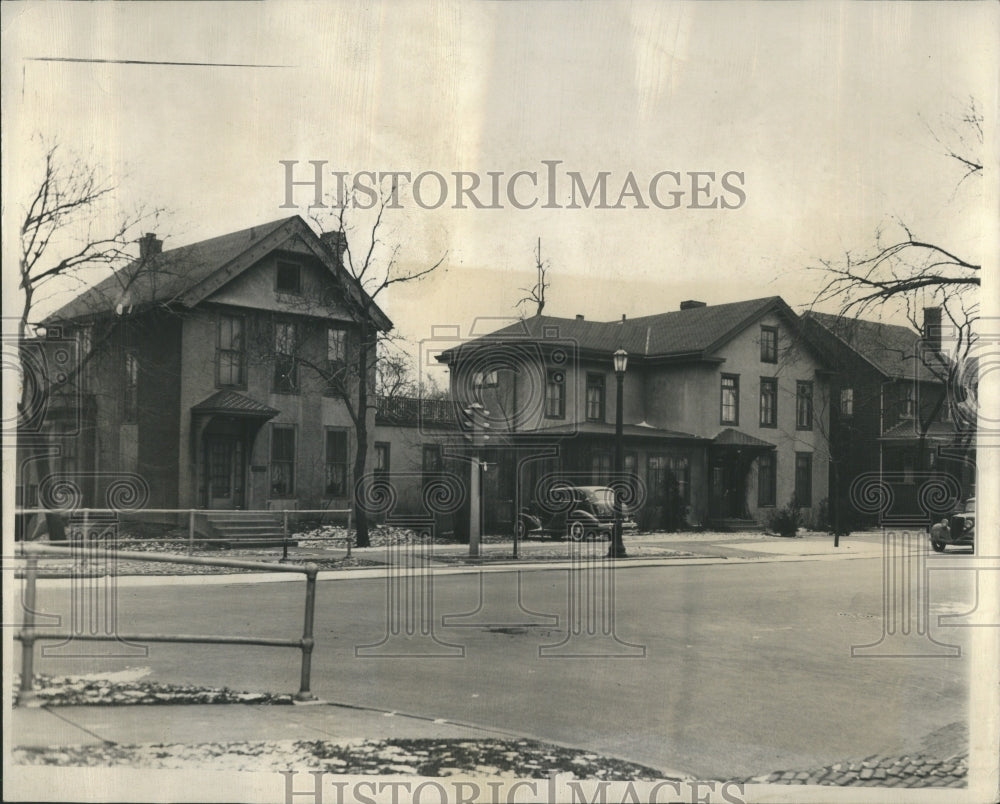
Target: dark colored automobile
<point>958,529</point>
<point>585,512</point>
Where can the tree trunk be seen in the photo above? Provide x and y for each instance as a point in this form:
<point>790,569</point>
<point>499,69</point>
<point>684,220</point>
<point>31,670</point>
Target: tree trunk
<point>361,447</point>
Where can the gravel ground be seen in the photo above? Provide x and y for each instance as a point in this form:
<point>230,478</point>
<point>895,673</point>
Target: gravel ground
<point>127,687</point>
<point>437,757</point>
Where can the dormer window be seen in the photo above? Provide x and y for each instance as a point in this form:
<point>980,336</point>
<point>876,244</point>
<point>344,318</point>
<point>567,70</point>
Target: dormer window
<point>288,278</point>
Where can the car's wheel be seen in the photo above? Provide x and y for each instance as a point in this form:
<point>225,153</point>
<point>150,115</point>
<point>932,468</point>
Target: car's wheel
<point>577,532</point>
<point>938,546</point>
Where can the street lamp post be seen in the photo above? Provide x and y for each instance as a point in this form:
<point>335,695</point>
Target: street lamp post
<point>617,547</point>
<point>476,413</point>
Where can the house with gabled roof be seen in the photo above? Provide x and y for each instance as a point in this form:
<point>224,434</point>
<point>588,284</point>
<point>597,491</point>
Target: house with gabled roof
<point>206,371</point>
<point>725,408</point>
<point>895,411</point>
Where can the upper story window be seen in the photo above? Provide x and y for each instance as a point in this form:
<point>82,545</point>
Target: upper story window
<point>286,379</point>
<point>555,394</point>
<point>288,277</point>
<point>846,401</point>
<point>230,354</point>
<point>804,405</point>
<point>909,401</point>
<point>768,344</point>
<point>595,397</point>
<point>130,390</point>
<point>768,402</point>
<point>730,399</point>
<point>336,345</point>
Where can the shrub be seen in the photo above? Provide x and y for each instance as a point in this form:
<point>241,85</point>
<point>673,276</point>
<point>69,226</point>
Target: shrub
<point>786,521</point>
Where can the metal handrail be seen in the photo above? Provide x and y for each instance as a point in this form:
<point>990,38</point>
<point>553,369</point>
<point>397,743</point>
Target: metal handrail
<point>28,634</point>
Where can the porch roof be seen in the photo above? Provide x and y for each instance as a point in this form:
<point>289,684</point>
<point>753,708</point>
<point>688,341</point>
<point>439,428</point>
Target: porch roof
<point>606,429</point>
<point>234,404</point>
<point>735,438</point>
<point>907,430</point>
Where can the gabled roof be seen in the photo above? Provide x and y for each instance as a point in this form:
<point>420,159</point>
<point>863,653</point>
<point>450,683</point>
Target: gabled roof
<point>187,275</point>
<point>696,332</point>
<point>895,352</point>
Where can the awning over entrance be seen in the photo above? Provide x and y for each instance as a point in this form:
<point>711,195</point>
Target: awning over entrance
<point>231,403</point>
<point>606,429</point>
<point>734,438</point>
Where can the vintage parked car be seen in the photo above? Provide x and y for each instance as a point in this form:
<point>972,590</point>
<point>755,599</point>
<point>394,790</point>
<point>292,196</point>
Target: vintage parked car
<point>958,529</point>
<point>588,513</point>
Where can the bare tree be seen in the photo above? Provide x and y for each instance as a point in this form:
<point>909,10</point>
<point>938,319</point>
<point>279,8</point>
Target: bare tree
<point>905,272</point>
<point>60,234</point>
<point>64,234</point>
<point>372,267</point>
<point>535,295</point>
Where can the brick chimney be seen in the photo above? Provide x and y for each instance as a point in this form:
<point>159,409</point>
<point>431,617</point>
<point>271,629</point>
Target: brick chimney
<point>690,304</point>
<point>579,316</point>
<point>336,242</point>
<point>932,328</point>
<point>149,246</point>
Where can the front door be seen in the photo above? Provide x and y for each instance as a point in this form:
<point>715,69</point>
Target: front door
<point>224,470</point>
<point>728,488</point>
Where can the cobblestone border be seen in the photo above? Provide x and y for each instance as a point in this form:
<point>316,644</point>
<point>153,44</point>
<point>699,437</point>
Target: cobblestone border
<point>878,771</point>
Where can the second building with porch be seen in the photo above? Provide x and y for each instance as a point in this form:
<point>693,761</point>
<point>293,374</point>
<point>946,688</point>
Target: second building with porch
<point>725,410</point>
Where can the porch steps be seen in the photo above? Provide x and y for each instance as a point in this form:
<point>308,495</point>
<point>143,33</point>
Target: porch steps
<point>733,524</point>
<point>228,529</point>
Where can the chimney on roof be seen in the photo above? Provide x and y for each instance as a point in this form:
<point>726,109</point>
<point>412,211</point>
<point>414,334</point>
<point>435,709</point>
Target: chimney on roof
<point>579,316</point>
<point>149,246</point>
<point>336,242</point>
<point>932,328</point>
<point>690,304</point>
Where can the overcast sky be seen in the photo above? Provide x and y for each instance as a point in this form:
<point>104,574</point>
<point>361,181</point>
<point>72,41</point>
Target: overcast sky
<point>827,110</point>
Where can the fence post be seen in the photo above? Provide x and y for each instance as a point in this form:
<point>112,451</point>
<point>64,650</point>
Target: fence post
<point>304,693</point>
<point>350,512</point>
<point>191,531</point>
<point>284,535</point>
<point>83,540</point>
<point>27,696</point>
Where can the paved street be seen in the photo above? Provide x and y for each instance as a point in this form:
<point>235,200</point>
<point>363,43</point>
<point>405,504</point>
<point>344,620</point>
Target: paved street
<point>747,666</point>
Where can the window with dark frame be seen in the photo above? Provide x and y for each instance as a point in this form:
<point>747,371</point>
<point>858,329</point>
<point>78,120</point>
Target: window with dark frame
<point>336,463</point>
<point>803,405</point>
<point>285,363</point>
<point>230,356</point>
<point>431,462</point>
<point>555,394</point>
<point>909,401</point>
<point>767,480</point>
<point>130,389</point>
<point>846,401</point>
<point>380,464</point>
<point>768,402</point>
<point>768,344</point>
<point>282,460</point>
<point>803,479</point>
<point>730,399</point>
<point>288,277</point>
<point>485,379</point>
<point>595,397</point>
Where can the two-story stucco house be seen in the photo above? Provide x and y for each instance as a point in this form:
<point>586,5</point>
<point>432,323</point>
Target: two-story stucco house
<point>207,371</point>
<point>725,408</point>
